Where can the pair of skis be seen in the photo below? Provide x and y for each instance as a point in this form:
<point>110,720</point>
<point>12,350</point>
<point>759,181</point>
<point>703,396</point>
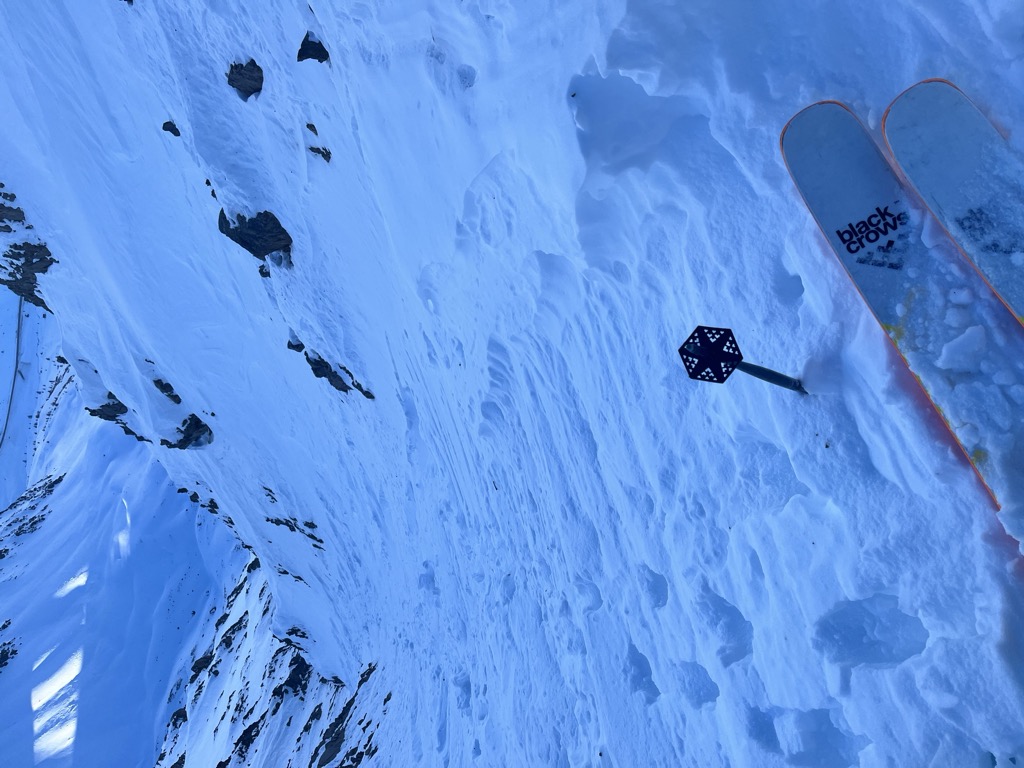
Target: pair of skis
<point>948,321</point>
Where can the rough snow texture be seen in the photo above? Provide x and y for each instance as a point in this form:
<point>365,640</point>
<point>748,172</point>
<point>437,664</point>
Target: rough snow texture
<point>538,543</point>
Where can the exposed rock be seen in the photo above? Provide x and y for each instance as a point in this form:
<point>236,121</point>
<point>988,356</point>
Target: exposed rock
<point>312,129</point>
<point>10,213</point>
<point>299,673</point>
<point>113,410</point>
<point>271,704</point>
<point>324,152</point>
<point>315,715</point>
<point>20,267</point>
<point>22,262</point>
<point>246,78</point>
<point>168,390</point>
<point>110,410</point>
<point>245,741</point>
<point>25,516</point>
<point>8,651</point>
<point>228,638</point>
<point>293,525</point>
<point>333,738</point>
<point>356,385</point>
<point>194,432</point>
<point>200,664</point>
<point>323,370</point>
<point>261,235</point>
<point>312,48</point>
<point>38,493</point>
<point>171,128</point>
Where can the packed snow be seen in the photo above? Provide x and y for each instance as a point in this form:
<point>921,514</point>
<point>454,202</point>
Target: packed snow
<point>406,470</point>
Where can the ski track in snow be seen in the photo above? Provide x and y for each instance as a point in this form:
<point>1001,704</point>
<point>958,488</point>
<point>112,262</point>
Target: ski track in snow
<point>538,543</point>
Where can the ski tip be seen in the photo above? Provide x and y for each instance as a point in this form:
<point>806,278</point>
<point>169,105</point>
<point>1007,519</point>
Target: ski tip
<point>918,84</point>
<point>816,106</point>
<point>927,80</point>
<point>950,88</point>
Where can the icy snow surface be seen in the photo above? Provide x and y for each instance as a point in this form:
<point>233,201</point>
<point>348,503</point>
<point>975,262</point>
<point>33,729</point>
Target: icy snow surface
<point>429,486</point>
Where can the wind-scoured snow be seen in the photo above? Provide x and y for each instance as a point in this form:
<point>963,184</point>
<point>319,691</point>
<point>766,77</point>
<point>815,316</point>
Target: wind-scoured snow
<point>406,470</point>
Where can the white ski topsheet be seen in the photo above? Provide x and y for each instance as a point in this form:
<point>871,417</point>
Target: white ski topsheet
<point>859,204</point>
<point>968,175</point>
<point>937,310</point>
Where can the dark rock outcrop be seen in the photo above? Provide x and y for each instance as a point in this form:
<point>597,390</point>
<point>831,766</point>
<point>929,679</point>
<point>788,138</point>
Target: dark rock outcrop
<point>20,268</point>
<point>246,78</point>
<point>312,48</point>
<point>112,411</point>
<point>167,390</point>
<point>333,739</point>
<point>323,370</point>
<point>194,432</point>
<point>171,128</point>
<point>324,152</point>
<point>10,214</point>
<point>21,262</point>
<point>8,651</point>
<point>261,235</point>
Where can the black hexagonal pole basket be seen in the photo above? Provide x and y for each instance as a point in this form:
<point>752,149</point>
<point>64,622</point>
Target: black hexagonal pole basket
<point>712,354</point>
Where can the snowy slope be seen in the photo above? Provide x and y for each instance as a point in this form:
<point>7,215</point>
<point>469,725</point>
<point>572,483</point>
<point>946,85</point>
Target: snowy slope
<point>457,503</point>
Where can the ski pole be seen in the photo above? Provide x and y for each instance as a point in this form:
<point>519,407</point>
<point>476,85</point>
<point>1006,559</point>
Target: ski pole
<point>712,354</point>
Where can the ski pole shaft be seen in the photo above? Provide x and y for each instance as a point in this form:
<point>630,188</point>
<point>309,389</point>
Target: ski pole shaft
<point>772,377</point>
